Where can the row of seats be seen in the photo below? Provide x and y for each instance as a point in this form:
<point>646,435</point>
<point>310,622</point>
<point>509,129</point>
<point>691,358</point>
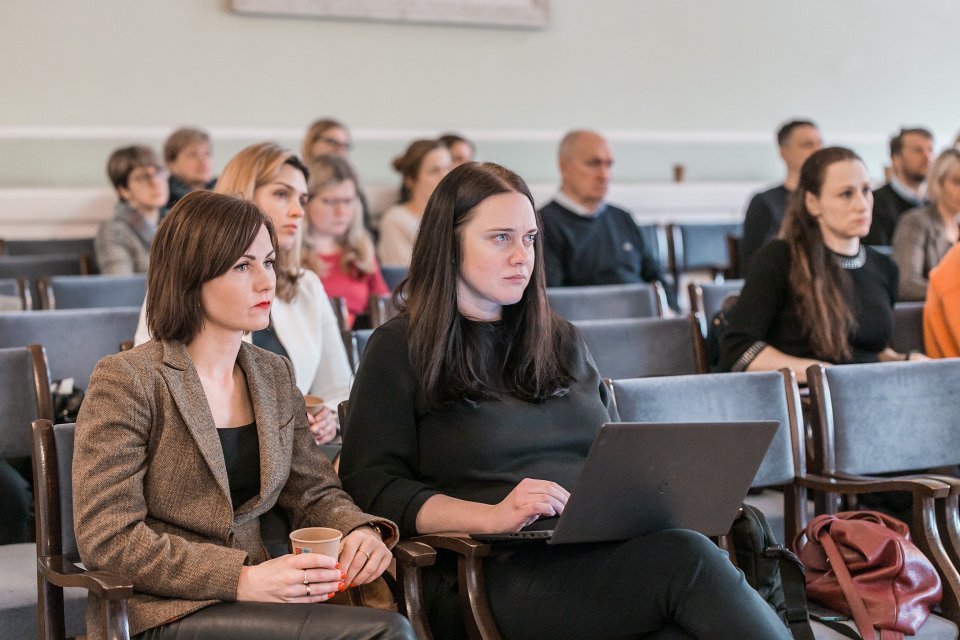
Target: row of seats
<point>73,292</point>
<point>850,406</point>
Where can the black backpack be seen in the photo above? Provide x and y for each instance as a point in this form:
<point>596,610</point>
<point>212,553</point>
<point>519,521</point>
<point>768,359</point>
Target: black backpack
<point>773,570</point>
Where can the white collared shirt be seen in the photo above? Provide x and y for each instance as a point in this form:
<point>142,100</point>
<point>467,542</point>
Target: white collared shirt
<point>567,202</point>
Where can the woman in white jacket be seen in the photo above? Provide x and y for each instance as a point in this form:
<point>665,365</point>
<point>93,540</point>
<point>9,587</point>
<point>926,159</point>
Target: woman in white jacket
<point>303,326</point>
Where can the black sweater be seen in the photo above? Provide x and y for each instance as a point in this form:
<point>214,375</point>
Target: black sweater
<point>888,206</point>
<point>397,454</point>
<point>765,313</point>
<point>762,221</point>
<point>589,250</point>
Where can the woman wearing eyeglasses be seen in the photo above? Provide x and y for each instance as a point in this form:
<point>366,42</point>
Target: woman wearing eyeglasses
<point>336,245</point>
<point>122,245</point>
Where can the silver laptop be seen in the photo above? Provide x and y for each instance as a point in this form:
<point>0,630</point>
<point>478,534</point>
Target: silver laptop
<point>645,477</point>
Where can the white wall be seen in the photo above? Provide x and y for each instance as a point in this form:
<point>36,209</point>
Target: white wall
<point>703,82</point>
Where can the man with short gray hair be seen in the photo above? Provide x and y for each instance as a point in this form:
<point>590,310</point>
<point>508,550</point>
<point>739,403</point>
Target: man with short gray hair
<point>588,241</point>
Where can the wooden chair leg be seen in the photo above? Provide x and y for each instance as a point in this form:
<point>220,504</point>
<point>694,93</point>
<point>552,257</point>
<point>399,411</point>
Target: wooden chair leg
<point>477,615</point>
<point>927,538</point>
<point>50,622</point>
<point>115,614</point>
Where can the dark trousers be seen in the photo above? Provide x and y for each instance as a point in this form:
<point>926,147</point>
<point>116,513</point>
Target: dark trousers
<point>271,621</point>
<point>16,525</point>
<point>668,585</point>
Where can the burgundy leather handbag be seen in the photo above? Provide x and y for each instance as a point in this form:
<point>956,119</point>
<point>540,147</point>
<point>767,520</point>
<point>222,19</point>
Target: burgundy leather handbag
<point>863,564</point>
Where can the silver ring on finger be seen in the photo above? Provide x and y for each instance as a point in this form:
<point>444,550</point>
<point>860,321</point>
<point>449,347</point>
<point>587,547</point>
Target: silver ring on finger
<point>364,553</point>
<point>305,581</point>
<point>308,589</point>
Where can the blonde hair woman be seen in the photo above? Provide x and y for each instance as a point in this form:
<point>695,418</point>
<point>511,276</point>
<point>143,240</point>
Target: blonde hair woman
<point>337,246</point>
<point>302,326</point>
<point>925,234</point>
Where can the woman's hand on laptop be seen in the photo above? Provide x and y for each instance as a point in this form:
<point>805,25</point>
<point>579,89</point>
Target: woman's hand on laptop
<point>529,500</point>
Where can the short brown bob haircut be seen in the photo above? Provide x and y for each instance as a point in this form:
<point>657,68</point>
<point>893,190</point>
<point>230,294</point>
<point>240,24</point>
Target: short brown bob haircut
<point>124,160</point>
<point>201,238</point>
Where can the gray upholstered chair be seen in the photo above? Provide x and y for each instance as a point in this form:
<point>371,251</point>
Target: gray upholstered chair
<point>707,297</point>
<point>57,560</point>
<point>393,276</point>
<point>32,267</point>
<point>92,292</point>
<point>356,343</point>
<point>49,246</point>
<point>24,397</point>
<point>700,247</point>
<point>769,395</point>
<point>656,244</point>
<point>643,347</point>
<point>12,296</point>
<point>895,418</point>
<point>74,339</point>
<point>908,327</point>
<point>603,302</point>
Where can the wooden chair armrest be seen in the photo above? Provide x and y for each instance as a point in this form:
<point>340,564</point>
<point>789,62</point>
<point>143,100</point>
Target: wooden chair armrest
<point>953,483</point>
<point>460,543</point>
<point>850,484</point>
<point>415,554</point>
<point>63,573</point>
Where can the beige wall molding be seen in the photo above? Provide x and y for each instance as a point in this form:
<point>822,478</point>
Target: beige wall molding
<point>528,14</point>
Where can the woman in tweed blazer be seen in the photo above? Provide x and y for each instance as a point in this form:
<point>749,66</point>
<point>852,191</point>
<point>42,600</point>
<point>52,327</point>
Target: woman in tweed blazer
<point>925,234</point>
<point>169,490</point>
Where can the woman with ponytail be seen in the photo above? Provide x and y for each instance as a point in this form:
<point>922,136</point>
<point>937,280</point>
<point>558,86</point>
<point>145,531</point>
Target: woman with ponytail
<point>816,294</point>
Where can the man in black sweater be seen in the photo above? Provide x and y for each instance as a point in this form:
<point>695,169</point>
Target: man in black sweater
<point>911,152</point>
<point>586,240</point>
<point>797,139</point>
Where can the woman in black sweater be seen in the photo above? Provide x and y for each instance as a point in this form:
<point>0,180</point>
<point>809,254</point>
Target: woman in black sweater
<point>816,294</point>
<point>474,411</point>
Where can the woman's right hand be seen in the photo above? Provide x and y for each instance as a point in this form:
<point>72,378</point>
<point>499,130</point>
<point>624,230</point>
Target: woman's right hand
<point>528,501</point>
<point>308,577</point>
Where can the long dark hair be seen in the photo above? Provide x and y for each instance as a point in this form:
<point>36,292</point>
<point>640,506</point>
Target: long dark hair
<point>446,349</point>
<point>820,285</point>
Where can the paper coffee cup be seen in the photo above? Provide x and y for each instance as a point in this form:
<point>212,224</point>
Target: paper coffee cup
<point>314,404</point>
<point>322,540</point>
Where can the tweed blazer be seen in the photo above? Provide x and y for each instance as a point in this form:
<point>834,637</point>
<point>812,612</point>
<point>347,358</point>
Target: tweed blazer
<point>151,493</point>
<point>919,244</point>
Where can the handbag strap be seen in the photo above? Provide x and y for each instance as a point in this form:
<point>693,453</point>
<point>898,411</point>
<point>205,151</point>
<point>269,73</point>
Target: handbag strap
<point>857,608</point>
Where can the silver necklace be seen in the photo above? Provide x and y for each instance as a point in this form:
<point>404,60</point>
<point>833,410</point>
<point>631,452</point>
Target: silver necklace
<point>853,262</point>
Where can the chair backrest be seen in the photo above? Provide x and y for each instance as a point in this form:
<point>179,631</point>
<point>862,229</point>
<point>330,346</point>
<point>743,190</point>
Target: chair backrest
<point>642,300</point>
<point>735,269</point>
<point>655,242</point>
<point>643,347</point>
<point>907,327</point>
<point>58,246</point>
<point>380,309</point>
<point>767,395</point>
<point>33,267</point>
<point>91,292</point>
<point>701,246</point>
<point>53,473</point>
<point>12,291</point>
<point>887,417</point>
<point>393,276</point>
<point>358,344</point>
<point>24,397</point>
<point>340,311</point>
<point>74,339</point>
<point>708,297</point>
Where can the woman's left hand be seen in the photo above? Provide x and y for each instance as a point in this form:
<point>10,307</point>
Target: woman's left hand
<point>363,556</point>
<point>323,426</point>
